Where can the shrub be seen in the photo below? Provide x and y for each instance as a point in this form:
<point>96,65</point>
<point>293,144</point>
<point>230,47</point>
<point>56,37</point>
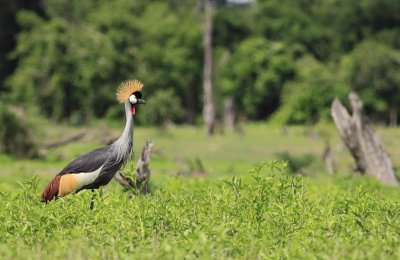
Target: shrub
<point>16,137</point>
<point>164,107</point>
<point>296,164</point>
<point>309,97</point>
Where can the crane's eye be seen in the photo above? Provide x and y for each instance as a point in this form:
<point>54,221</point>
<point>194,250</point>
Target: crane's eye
<point>133,99</point>
<point>138,94</point>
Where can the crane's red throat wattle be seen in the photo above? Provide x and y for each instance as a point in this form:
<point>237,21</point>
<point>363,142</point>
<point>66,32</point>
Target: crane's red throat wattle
<point>133,110</point>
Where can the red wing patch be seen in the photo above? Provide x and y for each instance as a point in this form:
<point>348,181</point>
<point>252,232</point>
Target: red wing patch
<point>51,190</point>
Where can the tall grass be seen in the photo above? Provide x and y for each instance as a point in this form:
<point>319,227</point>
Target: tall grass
<point>263,214</point>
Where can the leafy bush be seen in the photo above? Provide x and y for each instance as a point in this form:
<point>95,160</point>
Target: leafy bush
<point>70,56</point>
<point>296,164</point>
<point>308,99</point>
<point>162,107</point>
<point>71,64</point>
<point>372,69</point>
<point>269,214</point>
<point>16,137</point>
<point>255,75</point>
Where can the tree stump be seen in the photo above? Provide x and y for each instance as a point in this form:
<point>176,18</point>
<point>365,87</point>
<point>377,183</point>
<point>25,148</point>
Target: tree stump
<point>142,173</point>
<point>357,134</point>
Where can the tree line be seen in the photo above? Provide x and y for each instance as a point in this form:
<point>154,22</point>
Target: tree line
<point>277,60</point>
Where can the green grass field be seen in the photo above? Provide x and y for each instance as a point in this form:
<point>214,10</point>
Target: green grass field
<point>242,205</point>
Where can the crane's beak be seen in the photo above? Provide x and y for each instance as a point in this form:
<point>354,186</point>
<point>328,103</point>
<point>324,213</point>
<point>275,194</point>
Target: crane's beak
<point>141,101</point>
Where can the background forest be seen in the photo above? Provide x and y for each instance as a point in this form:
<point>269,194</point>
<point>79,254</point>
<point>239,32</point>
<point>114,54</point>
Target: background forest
<point>282,61</point>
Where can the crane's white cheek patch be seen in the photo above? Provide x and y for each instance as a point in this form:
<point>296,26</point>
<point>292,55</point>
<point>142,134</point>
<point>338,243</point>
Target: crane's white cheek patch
<point>72,182</point>
<point>133,100</point>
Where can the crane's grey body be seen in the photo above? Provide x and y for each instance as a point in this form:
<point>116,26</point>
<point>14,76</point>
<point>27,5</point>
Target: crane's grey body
<point>109,158</point>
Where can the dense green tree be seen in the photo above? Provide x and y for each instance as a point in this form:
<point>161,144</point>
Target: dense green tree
<point>327,29</point>
<point>8,30</point>
<point>71,63</point>
<point>163,108</point>
<point>232,25</point>
<point>372,69</point>
<point>294,22</point>
<point>255,75</point>
<point>171,55</point>
<point>307,99</point>
<point>72,54</point>
<point>59,66</point>
<point>353,21</point>
<point>16,133</point>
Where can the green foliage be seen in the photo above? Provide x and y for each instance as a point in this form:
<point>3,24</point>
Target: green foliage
<point>326,29</point>
<point>266,215</point>
<point>60,66</point>
<point>372,70</point>
<point>71,64</point>
<point>16,137</point>
<point>71,55</point>
<point>231,26</point>
<point>308,98</point>
<point>255,75</point>
<point>164,107</point>
<point>171,53</point>
<point>296,164</point>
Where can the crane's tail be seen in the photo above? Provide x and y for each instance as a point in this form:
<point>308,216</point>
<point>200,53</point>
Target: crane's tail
<point>51,190</point>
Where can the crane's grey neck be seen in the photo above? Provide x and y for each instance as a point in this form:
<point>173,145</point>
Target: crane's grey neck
<point>122,148</point>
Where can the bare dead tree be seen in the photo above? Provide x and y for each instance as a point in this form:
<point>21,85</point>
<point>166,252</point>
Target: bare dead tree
<point>393,118</point>
<point>241,119</point>
<point>208,98</point>
<point>229,116</point>
<point>143,170</point>
<point>359,137</point>
<point>329,159</point>
<point>142,173</point>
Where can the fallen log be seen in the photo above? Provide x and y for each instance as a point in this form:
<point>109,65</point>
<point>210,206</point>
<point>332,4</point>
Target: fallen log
<point>65,141</point>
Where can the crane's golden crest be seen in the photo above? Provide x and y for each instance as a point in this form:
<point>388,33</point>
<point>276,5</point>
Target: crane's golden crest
<point>126,88</point>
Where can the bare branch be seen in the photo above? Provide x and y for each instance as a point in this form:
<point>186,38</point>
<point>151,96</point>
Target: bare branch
<point>142,173</point>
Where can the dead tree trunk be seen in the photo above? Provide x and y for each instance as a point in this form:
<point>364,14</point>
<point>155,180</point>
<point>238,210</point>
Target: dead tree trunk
<point>358,136</point>
<point>229,116</point>
<point>142,169</point>
<point>393,118</point>
<point>208,99</point>
<point>329,160</point>
<point>142,173</point>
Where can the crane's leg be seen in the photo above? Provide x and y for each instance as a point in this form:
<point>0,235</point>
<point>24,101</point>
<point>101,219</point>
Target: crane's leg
<point>92,200</point>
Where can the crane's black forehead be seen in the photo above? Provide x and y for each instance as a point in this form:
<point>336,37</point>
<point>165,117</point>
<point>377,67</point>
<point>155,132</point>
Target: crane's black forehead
<point>138,94</point>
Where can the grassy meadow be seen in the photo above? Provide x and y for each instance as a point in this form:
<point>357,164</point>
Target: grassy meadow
<point>242,202</point>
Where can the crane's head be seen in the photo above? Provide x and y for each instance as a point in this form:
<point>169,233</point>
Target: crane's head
<point>130,91</point>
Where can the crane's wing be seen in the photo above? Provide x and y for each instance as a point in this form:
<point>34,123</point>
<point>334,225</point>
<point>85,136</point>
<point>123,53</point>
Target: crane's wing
<point>80,172</point>
<point>88,162</point>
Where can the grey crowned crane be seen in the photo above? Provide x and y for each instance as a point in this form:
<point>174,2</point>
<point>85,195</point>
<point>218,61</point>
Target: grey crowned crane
<point>98,167</point>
